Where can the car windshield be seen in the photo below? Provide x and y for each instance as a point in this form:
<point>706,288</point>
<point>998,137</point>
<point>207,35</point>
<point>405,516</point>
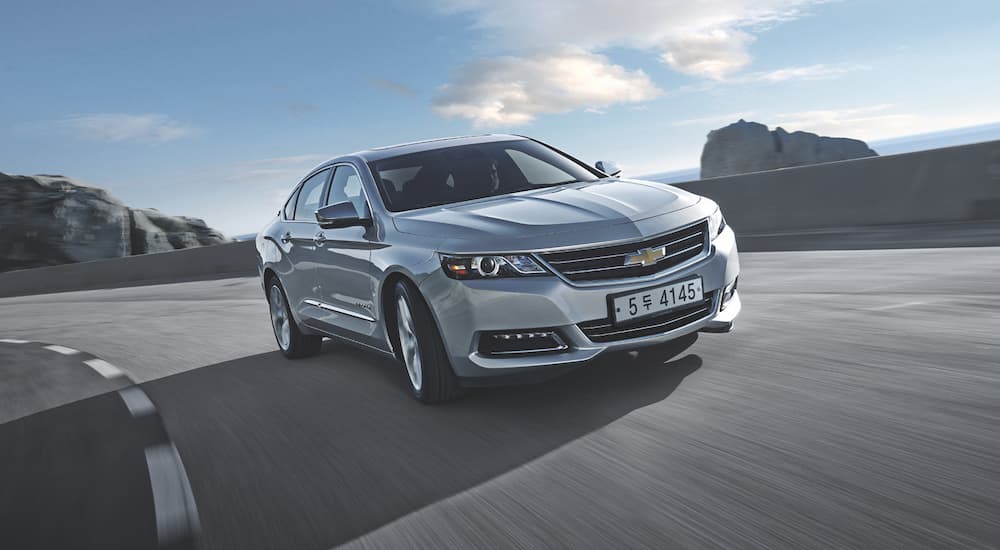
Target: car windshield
<point>466,172</point>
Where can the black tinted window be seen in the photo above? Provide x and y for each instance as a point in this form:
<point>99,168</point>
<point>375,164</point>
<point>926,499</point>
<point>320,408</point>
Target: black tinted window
<point>466,172</point>
<point>309,197</point>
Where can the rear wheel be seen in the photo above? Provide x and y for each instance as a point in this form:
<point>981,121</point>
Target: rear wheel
<point>421,350</point>
<point>291,341</point>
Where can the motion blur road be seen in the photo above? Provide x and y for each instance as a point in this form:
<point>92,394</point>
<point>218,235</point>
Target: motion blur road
<point>857,404</point>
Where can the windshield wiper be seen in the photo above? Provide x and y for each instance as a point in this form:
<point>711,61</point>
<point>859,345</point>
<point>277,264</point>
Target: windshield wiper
<point>556,183</point>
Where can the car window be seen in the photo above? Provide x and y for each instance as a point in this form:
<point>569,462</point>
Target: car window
<point>309,197</point>
<point>536,170</point>
<point>346,187</point>
<point>466,172</point>
<point>397,178</point>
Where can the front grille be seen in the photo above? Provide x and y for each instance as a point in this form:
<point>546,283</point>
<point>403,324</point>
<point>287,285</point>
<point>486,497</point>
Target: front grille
<point>603,330</point>
<point>608,262</point>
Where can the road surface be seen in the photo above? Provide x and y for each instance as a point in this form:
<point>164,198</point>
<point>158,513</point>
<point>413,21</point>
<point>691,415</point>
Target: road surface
<point>857,404</point>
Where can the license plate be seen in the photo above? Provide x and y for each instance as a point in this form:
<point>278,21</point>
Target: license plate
<point>650,301</point>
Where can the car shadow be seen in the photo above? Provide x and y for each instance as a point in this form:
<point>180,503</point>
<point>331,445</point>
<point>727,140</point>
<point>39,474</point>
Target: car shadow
<point>316,452</point>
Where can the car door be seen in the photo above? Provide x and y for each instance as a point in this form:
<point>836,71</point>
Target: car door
<point>344,274</point>
<point>298,240</point>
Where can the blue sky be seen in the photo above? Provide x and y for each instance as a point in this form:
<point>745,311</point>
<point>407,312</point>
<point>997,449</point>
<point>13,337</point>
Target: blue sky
<point>214,109</point>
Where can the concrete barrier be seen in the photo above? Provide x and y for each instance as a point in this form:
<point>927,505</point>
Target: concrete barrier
<point>209,262</point>
<point>775,210</point>
<point>954,184</point>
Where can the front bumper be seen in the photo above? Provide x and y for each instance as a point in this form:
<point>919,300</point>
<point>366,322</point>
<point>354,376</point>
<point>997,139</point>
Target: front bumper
<point>465,309</point>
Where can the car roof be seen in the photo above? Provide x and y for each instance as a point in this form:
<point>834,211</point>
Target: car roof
<point>379,153</point>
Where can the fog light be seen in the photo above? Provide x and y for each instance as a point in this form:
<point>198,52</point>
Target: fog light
<point>512,343</point>
<point>727,294</point>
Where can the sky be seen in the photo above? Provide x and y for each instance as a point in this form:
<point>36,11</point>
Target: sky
<point>216,109</point>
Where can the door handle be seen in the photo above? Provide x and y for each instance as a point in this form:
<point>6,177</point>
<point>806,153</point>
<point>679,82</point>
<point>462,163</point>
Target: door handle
<point>287,237</point>
<point>319,239</point>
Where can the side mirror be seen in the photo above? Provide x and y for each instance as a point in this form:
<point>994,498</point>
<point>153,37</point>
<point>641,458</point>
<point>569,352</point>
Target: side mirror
<point>609,167</point>
<point>341,214</point>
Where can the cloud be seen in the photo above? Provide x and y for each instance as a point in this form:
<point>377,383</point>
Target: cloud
<point>713,54</point>
<point>392,86</point>
<point>709,38</point>
<point>819,71</point>
<point>875,122</point>
<point>116,127</point>
<point>301,108</point>
<point>713,120</point>
<point>285,171</point>
<point>507,91</point>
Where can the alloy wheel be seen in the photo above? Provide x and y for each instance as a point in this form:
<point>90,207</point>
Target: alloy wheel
<point>279,318</point>
<point>408,343</point>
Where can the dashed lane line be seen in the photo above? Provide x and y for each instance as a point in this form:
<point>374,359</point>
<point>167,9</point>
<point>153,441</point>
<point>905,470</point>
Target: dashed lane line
<point>62,349</point>
<point>173,502</point>
<point>104,368</point>
<point>174,507</point>
<point>137,401</point>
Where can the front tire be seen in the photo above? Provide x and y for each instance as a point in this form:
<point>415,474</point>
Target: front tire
<point>421,350</point>
<point>292,343</point>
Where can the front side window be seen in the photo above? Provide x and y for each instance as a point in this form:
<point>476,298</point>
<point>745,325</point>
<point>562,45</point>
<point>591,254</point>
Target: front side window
<point>346,187</point>
<point>466,172</point>
<point>309,197</point>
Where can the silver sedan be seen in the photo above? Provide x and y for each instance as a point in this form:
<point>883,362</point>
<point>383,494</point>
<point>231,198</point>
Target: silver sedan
<point>491,259</point>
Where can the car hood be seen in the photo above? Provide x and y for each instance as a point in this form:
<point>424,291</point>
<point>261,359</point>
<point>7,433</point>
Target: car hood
<point>548,217</point>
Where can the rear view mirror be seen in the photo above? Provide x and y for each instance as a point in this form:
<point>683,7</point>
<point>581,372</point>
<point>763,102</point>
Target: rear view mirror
<point>609,167</point>
<point>341,214</point>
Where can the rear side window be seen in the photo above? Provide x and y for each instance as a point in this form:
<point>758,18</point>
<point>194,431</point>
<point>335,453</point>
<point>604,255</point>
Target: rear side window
<point>310,195</point>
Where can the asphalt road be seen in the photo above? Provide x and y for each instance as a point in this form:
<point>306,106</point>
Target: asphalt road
<point>857,404</point>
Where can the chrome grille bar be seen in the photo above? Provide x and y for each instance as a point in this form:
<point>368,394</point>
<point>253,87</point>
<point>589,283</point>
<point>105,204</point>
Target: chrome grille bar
<point>608,262</point>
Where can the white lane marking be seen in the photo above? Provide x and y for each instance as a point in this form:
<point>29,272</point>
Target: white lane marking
<point>137,401</point>
<point>12,341</point>
<point>62,349</point>
<point>894,306</point>
<point>173,502</point>
<point>104,368</point>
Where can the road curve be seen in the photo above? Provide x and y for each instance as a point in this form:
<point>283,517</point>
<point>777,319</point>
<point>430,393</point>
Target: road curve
<point>857,404</point>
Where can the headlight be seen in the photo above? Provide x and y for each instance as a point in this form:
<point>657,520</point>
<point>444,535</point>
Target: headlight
<point>489,267</point>
<point>716,223</point>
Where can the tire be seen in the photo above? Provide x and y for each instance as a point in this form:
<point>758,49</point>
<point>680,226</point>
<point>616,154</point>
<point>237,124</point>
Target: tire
<point>420,349</point>
<point>292,343</point>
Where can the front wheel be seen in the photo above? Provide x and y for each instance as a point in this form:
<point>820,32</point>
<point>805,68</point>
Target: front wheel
<point>421,350</point>
<point>291,341</point>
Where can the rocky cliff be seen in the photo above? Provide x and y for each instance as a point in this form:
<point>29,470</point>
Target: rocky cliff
<point>745,147</point>
<point>49,220</point>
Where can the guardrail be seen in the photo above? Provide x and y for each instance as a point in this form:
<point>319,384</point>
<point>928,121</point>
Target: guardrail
<point>954,184</point>
<point>771,210</point>
<point>191,264</point>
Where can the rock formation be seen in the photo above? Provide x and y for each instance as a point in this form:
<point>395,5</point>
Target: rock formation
<point>49,220</point>
<point>745,147</point>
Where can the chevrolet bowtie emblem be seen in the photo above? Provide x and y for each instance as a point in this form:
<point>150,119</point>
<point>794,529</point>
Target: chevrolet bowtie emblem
<point>646,256</point>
